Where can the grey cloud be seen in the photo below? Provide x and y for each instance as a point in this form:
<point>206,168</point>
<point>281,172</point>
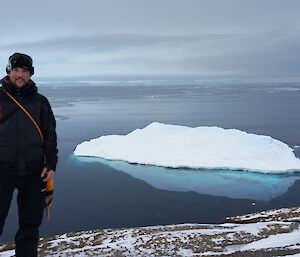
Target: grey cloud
<point>105,43</point>
<point>170,36</point>
<point>253,54</point>
<point>270,54</point>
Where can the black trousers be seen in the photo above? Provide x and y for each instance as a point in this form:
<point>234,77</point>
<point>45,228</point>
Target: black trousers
<point>31,202</point>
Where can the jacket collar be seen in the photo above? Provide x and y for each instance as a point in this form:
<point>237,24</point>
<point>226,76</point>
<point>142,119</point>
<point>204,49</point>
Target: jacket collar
<point>27,89</point>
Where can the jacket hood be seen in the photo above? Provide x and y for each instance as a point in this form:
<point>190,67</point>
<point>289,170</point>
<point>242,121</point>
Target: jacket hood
<point>29,88</point>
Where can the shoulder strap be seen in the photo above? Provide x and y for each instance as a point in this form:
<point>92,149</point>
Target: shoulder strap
<point>36,125</point>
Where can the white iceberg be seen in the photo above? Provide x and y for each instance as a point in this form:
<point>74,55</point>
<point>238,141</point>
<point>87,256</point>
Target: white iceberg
<point>236,185</point>
<point>201,147</point>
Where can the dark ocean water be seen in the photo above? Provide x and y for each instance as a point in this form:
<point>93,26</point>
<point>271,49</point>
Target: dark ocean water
<point>91,195</point>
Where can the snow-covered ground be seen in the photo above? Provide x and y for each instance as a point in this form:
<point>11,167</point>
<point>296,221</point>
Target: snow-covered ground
<point>201,147</point>
<point>268,233</point>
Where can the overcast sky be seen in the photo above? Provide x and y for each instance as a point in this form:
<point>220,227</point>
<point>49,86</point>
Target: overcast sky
<point>232,39</point>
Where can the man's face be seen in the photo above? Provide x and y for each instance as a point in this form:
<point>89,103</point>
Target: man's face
<point>19,77</point>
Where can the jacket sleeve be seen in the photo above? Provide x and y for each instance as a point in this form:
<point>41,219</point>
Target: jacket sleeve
<point>49,133</point>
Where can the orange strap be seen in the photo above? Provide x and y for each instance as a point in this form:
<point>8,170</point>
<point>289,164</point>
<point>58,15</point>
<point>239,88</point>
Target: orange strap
<point>36,125</point>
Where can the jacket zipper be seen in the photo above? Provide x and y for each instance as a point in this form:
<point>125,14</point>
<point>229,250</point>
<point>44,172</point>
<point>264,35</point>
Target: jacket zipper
<point>19,160</point>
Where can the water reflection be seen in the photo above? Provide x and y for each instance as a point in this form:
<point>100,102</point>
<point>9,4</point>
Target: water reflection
<point>233,184</point>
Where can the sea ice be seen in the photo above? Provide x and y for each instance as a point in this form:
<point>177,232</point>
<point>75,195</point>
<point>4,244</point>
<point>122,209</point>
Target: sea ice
<point>201,147</point>
<point>237,185</point>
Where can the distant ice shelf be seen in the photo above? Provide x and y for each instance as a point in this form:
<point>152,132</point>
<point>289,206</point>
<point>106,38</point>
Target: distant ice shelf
<point>201,147</point>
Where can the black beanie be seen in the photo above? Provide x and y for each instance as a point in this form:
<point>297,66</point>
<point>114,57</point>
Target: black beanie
<point>20,60</point>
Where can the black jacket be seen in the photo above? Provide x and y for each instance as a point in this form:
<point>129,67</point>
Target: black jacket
<point>21,149</point>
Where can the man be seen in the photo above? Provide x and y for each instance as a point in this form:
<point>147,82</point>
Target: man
<point>28,156</point>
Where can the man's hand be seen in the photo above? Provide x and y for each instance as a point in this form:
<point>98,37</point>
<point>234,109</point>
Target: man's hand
<point>49,174</point>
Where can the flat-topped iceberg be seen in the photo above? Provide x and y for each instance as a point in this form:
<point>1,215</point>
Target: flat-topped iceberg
<point>201,147</point>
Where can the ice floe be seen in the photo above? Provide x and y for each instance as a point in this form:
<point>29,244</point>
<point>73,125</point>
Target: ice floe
<point>201,147</point>
<point>236,185</point>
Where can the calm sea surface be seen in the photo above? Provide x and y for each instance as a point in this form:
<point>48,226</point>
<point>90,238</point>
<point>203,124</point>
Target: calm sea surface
<point>91,195</point>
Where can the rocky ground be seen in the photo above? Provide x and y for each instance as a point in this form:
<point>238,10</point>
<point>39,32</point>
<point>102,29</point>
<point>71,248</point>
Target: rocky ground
<point>268,233</point>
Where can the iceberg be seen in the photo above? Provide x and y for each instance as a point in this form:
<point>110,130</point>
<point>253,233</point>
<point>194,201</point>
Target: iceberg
<point>232,184</point>
<point>202,147</point>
